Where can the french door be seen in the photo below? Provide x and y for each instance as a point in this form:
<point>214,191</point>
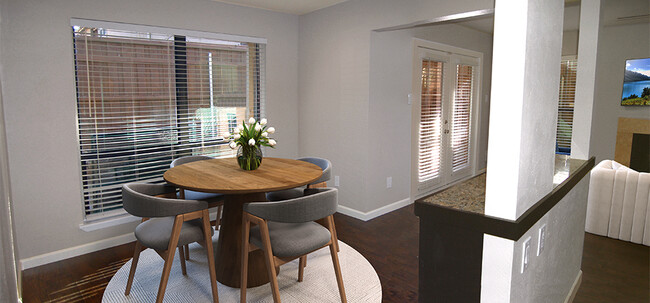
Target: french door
<point>445,88</point>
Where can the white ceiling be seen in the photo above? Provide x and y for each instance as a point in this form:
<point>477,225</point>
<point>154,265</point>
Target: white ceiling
<point>296,7</point>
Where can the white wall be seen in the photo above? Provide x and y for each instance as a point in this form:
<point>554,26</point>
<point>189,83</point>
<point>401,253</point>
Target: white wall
<point>39,100</point>
<point>391,69</point>
<point>339,117</point>
<point>617,42</point>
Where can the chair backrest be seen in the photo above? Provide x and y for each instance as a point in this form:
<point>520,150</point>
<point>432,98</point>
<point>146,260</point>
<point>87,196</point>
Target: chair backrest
<point>324,164</point>
<point>188,159</point>
<point>139,199</point>
<point>320,204</point>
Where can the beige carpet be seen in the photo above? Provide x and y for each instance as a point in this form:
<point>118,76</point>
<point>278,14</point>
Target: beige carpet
<point>319,285</point>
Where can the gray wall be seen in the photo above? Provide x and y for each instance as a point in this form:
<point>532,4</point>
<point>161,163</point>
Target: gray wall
<point>617,42</point>
<point>549,277</point>
<point>39,99</point>
<point>570,43</point>
<point>391,70</point>
<point>366,139</point>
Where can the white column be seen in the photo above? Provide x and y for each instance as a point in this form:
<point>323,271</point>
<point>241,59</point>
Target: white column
<point>506,108</point>
<point>10,279</point>
<point>585,84</point>
<point>523,112</point>
<point>9,272</point>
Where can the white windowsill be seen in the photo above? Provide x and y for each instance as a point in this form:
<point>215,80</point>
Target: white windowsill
<point>109,222</point>
<point>119,220</point>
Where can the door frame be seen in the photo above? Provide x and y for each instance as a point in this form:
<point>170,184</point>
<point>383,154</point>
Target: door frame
<point>416,108</point>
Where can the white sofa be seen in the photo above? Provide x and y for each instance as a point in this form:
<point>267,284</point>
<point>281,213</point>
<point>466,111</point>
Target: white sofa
<point>618,203</point>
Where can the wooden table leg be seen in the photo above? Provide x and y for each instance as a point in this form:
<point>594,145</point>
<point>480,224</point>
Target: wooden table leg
<point>228,249</point>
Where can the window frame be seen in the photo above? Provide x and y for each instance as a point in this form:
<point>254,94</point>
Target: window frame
<point>119,215</point>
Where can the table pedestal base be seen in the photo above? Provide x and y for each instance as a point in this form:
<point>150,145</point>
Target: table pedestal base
<point>229,245</point>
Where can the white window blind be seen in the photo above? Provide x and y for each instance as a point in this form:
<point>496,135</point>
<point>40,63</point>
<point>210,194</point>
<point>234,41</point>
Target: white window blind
<point>568,72</point>
<point>460,122</point>
<point>430,120</point>
<point>146,98</point>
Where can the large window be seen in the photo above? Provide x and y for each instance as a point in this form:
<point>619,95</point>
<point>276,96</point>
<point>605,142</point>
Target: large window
<point>146,96</point>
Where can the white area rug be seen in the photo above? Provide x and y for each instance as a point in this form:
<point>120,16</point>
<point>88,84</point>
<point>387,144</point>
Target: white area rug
<point>319,285</point>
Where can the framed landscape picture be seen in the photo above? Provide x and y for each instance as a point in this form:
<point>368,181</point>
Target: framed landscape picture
<point>636,83</point>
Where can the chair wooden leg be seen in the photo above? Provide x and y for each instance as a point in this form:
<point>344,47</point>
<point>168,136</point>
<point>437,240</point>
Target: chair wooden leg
<point>217,221</point>
<point>210,251</point>
<point>244,258</point>
<point>335,262</point>
<point>301,267</point>
<point>336,237</point>
<point>134,264</point>
<point>181,256</point>
<point>270,264</point>
<point>187,251</point>
<point>169,258</point>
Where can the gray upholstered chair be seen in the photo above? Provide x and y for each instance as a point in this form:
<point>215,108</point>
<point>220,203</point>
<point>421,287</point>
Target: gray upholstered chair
<point>292,193</point>
<point>173,223</point>
<point>286,230</point>
<point>214,200</point>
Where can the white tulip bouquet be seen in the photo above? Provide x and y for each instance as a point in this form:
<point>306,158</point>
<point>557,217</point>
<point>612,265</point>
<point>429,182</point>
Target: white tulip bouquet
<point>249,137</point>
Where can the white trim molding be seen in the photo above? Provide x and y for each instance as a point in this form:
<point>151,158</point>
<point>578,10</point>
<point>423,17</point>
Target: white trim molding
<point>574,288</point>
<point>63,254</point>
<point>163,30</point>
<point>106,223</point>
<point>373,213</point>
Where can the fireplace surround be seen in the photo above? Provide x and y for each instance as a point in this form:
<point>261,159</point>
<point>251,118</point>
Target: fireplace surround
<point>632,131</point>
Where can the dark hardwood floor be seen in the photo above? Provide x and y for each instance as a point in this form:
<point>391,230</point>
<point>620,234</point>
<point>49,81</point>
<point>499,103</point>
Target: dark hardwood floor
<point>613,271</point>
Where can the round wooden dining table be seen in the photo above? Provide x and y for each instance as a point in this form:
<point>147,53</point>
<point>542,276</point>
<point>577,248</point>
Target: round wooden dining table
<point>239,186</point>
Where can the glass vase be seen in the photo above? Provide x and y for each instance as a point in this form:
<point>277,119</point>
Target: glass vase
<point>249,157</point>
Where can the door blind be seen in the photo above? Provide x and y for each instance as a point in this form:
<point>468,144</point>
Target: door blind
<point>568,72</point>
<point>144,99</point>
<point>430,120</point>
<point>460,122</point>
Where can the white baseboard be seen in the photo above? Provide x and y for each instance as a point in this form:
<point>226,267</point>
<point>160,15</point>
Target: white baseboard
<point>75,251</point>
<point>89,247</point>
<point>373,213</point>
<point>574,288</point>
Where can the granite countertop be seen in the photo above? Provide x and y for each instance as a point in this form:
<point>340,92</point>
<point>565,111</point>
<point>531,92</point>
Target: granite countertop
<point>469,195</point>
